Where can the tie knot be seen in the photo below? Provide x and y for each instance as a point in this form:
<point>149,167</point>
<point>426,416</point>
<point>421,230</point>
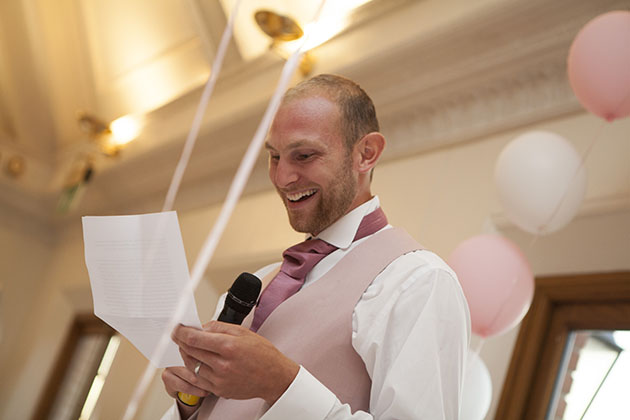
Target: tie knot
<point>301,258</point>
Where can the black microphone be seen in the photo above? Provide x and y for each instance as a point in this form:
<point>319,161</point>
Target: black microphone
<point>240,299</point>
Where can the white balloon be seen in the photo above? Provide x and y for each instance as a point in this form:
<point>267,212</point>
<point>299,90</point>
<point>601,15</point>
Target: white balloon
<point>477,390</point>
<point>541,182</point>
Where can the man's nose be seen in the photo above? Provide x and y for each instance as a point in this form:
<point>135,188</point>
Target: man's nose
<point>284,174</point>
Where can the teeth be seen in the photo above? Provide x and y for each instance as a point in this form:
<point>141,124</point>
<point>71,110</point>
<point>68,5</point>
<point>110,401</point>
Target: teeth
<point>299,195</point>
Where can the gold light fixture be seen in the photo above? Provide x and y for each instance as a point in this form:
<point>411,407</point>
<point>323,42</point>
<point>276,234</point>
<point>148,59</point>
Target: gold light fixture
<point>278,27</point>
<point>91,125</point>
<point>283,29</point>
<point>16,166</point>
<point>75,184</point>
<point>124,130</point>
<point>111,138</point>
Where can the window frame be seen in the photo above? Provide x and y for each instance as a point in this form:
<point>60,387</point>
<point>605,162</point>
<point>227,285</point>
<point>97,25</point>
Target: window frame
<point>561,304</point>
<point>83,324</point>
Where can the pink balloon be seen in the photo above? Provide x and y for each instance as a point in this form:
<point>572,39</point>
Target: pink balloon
<point>599,65</point>
<point>497,281</point>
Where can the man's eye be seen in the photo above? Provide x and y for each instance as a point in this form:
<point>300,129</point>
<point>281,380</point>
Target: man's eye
<point>304,156</point>
<point>274,157</point>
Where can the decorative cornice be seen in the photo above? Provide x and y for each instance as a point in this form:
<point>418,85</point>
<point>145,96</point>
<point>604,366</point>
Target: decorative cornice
<point>503,103</point>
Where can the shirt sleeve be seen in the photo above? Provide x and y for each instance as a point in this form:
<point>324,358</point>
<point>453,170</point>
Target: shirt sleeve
<point>411,328</point>
<point>415,345</point>
<point>305,399</point>
<point>173,414</point>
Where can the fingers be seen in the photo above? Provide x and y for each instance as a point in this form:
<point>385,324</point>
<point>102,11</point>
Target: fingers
<point>218,338</point>
<point>212,326</point>
<point>224,328</point>
<point>194,364</point>
<point>180,379</point>
<point>189,361</point>
<point>203,377</point>
<point>209,360</point>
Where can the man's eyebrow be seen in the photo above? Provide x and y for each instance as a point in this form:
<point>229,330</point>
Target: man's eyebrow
<point>293,145</point>
<point>300,143</point>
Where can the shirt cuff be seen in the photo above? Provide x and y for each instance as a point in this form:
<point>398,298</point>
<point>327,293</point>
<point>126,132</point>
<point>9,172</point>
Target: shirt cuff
<point>173,413</point>
<point>305,399</point>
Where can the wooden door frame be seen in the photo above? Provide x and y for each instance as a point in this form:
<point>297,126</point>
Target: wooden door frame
<point>561,304</point>
<point>83,324</point>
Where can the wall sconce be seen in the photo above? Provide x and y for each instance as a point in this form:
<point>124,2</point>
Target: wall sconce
<point>74,186</point>
<point>16,166</point>
<point>282,29</point>
<point>111,138</point>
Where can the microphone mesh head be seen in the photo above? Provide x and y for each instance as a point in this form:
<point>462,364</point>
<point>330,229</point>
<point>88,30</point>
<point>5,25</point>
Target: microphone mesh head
<point>246,288</point>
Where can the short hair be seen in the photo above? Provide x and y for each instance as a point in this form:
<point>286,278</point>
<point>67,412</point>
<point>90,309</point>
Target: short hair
<point>358,116</point>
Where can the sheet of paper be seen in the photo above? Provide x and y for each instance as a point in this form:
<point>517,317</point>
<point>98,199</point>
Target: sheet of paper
<point>138,270</point>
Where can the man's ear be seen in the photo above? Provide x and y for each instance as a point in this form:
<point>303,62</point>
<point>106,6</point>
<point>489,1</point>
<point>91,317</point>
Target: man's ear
<point>368,150</point>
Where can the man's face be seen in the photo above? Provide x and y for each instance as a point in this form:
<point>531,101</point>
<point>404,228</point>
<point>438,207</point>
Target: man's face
<point>309,164</point>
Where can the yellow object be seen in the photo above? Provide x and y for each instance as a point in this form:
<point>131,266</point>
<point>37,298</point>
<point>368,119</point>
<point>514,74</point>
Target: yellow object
<point>188,399</point>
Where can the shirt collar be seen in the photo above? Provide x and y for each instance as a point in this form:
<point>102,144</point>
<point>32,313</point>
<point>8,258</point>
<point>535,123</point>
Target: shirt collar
<point>342,232</point>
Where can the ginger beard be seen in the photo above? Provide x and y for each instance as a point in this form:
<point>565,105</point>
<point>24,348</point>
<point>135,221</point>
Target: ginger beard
<point>329,203</point>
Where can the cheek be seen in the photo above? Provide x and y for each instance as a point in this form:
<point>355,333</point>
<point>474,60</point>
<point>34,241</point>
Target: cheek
<point>317,176</point>
<point>272,172</point>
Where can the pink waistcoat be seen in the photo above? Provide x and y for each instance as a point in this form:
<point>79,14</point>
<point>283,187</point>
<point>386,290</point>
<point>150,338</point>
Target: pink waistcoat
<point>314,327</point>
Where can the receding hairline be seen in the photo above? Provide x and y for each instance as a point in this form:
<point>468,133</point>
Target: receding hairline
<point>331,87</point>
<point>356,111</point>
<point>315,93</point>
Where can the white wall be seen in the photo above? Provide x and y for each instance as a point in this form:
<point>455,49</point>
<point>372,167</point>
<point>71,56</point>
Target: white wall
<point>441,197</point>
<point>25,254</point>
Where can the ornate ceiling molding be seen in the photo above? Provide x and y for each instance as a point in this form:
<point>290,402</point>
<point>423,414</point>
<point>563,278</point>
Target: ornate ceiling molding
<point>502,103</point>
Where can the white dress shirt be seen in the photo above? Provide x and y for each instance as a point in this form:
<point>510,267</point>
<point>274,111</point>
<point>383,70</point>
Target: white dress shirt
<point>411,328</point>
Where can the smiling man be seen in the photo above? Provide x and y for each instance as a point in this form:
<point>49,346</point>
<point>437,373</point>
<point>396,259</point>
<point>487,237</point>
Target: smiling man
<point>359,322</point>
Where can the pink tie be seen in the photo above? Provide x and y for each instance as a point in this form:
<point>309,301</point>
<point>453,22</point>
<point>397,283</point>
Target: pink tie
<point>298,262</point>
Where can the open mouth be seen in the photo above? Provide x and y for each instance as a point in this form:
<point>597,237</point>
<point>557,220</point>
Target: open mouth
<point>300,196</point>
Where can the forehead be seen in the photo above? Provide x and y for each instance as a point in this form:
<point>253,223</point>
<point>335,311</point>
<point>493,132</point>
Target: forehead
<point>309,118</point>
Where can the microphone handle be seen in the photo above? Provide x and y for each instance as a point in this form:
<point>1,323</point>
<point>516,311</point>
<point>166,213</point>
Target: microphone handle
<point>231,316</point>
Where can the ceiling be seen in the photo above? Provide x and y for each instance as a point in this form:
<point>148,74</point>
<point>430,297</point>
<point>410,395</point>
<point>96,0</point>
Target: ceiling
<point>439,71</point>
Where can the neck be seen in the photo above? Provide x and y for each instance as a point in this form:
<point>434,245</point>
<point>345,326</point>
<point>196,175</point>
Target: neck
<point>359,200</point>
<point>355,203</point>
